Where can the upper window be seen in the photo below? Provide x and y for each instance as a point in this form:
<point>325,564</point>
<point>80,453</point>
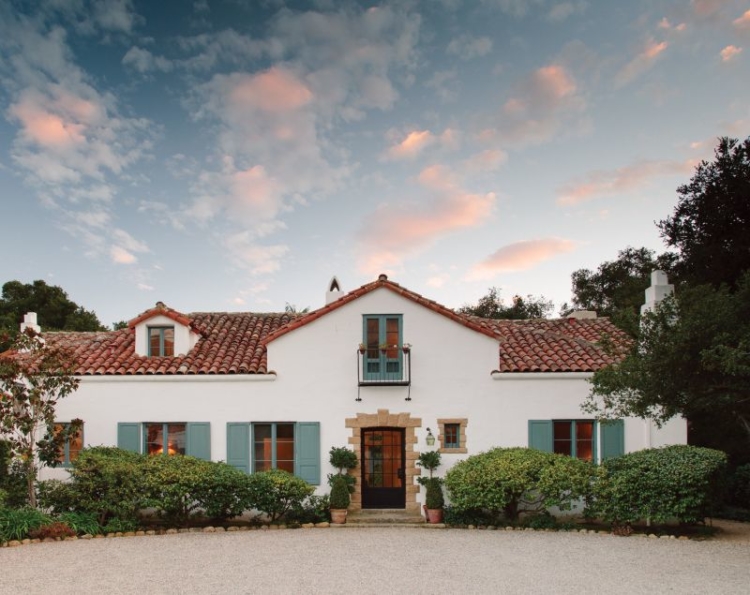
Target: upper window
<point>167,439</point>
<point>72,447</point>
<point>383,340</point>
<point>160,341</point>
<point>273,446</point>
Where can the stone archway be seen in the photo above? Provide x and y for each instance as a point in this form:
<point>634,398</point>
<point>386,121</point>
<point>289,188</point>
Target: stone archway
<point>384,418</point>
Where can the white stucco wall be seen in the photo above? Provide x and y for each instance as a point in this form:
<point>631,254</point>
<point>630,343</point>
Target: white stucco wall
<point>316,380</point>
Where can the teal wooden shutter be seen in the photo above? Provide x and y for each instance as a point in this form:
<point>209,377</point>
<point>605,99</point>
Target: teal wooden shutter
<point>540,435</point>
<point>613,439</point>
<point>307,452</point>
<point>238,446</point>
<point>199,440</point>
<point>129,436</point>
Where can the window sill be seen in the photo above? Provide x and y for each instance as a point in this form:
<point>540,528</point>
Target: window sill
<point>451,451</point>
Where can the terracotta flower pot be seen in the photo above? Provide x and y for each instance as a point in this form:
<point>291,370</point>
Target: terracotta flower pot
<point>434,515</point>
<point>338,516</point>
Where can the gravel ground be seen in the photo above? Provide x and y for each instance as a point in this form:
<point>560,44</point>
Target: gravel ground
<point>377,560</point>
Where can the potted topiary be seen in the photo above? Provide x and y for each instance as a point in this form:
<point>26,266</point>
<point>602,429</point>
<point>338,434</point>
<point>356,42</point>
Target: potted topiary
<point>434,500</point>
<point>339,499</point>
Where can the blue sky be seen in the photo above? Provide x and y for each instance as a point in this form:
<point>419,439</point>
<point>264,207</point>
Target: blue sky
<point>227,155</point>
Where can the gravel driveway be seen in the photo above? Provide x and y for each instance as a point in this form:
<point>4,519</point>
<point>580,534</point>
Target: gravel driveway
<point>376,560</point>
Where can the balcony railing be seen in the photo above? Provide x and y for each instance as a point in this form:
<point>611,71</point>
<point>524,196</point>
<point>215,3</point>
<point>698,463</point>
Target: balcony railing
<point>386,366</point>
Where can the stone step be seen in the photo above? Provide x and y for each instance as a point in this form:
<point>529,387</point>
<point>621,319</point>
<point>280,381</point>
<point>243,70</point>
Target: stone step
<point>384,516</point>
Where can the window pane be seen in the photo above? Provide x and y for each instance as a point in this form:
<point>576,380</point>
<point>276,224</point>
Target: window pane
<point>176,439</point>
<point>373,338</point>
<point>75,445</point>
<point>563,444</point>
<point>154,341</point>
<point>452,436</point>
<point>60,457</point>
<point>562,430</point>
<point>168,341</point>
<point>285,447</point>
<point>262,450</point>
<point>154,439</point>
<point>585,440</point>
<point>584,429</point>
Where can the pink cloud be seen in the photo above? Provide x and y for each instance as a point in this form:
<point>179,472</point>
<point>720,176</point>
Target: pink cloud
<point>707,8</point>
<point>275,90</point>
<point>742,22</point>
<point>537,108</point>
<point>414,143</point>
<point>619,181</point>
<point>485,161</point>
<point>519,256</point>
<point>121,256</point>
<point>641,63</point>
<point>729,52</point>
<point>394,232</point>
<point>667,26</point>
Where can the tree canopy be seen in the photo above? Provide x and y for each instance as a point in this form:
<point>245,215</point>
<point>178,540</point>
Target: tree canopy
<point>492,306</point>
<point>616,288</point>
<point>709,226</point>
<point>55,311</point>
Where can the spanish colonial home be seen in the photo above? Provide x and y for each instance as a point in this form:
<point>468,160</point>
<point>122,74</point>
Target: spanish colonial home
<point>381,369</point>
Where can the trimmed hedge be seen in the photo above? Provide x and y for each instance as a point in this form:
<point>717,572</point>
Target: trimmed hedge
<point>679,483</point>
<point>502,482</point>
<point>277,492</point>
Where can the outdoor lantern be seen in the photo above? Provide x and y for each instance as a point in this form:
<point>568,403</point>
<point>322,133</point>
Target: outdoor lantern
<point>430,438</point>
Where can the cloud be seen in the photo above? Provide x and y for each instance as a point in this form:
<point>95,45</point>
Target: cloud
<point>707,8</point>
<point>144,61</point>
<point>563,10</point>
<point>729,52</point>
<point>412,145</point>
<point>486,161</point>
<point>395,232</point>
<point>641,63</point>
<point>667,26</point>
<point>246,253</point>
<point>537,108</point>
<point>743,22</point>
<point>619,181</point>
<point>517,8</point>
<point>120,255</point>
<point>519,256</point>
<point>467,47</point>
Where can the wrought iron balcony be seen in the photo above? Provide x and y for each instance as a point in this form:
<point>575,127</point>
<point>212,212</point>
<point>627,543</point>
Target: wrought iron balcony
<point>388,365</point>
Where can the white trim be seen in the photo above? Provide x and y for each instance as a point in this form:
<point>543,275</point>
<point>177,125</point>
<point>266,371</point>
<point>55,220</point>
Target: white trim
<point>541,375</point>
<point>180,378</point>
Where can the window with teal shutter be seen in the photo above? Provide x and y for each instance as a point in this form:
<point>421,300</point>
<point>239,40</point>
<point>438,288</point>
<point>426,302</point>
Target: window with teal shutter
<point>192,439</point>
<point>238,445</point>
<point>129,436</point>
<point>540,435</point>
<point>307,455</point>
<point>199,440</point>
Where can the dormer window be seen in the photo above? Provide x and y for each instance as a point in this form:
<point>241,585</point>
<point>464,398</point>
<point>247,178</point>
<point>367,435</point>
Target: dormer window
<point>160,341</point>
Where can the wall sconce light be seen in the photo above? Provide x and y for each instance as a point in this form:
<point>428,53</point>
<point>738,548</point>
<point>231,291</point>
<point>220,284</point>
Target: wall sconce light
<point>430,438</point>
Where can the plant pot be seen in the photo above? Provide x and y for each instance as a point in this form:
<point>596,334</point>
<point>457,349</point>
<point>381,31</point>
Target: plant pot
<point>434,515</point>
<point>338,516</point>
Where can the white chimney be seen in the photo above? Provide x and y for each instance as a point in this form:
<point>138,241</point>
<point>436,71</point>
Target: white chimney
<point>660,288</point>
<point>334,291</point>
<point>29,321</point>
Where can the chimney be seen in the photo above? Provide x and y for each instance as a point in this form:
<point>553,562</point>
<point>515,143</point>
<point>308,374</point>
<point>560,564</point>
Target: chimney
<point>334,291</point>
<point>660,288</point>
<point>29,321</point>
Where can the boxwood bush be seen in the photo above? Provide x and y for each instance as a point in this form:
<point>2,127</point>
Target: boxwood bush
<point>679,483</point>
<point>276,492</point>
<point>504,481</point>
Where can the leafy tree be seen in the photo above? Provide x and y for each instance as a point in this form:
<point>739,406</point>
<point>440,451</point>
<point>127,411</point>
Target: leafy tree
<point>710,224</point>
<point>616,288</point>
<point>33,378</point>
<point>491,306</point>
<point>691,358</point>
<point>120,324</point>
<point>55,311</point>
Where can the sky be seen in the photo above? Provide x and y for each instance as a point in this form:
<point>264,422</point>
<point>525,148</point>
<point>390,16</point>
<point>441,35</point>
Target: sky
<point>228,155</point>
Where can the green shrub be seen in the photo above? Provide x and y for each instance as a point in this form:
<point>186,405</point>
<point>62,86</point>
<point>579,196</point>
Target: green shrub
<point>738,488</point>
<point>340,498</point>
<point>543,520</point>
<point>17,523</point>
<point>504,481</point>
<point>314,509</point>
<point>81,522</point>
<point>12,479</point>
<point>462,517</point>
<point>343,459</point>
<point>109,482</point>
<point>57,496</point>
<point>120,526</point>
<point>223,492</point>
<point>276,492</point>
<point>660,484</point>
<point>434,497</point>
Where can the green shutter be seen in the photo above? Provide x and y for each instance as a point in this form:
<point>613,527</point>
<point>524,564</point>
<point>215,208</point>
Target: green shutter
<point>540,435</point>
<point>238,446</point>
<point>129,436</point>
<point>307,452</point>
<point>613,439</point>
<point>199,440</point>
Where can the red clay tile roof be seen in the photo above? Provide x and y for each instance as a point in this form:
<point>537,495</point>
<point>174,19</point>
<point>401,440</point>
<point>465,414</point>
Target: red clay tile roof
<point>235,343</point>
<point>160,310</point>
<point>230,344</point>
